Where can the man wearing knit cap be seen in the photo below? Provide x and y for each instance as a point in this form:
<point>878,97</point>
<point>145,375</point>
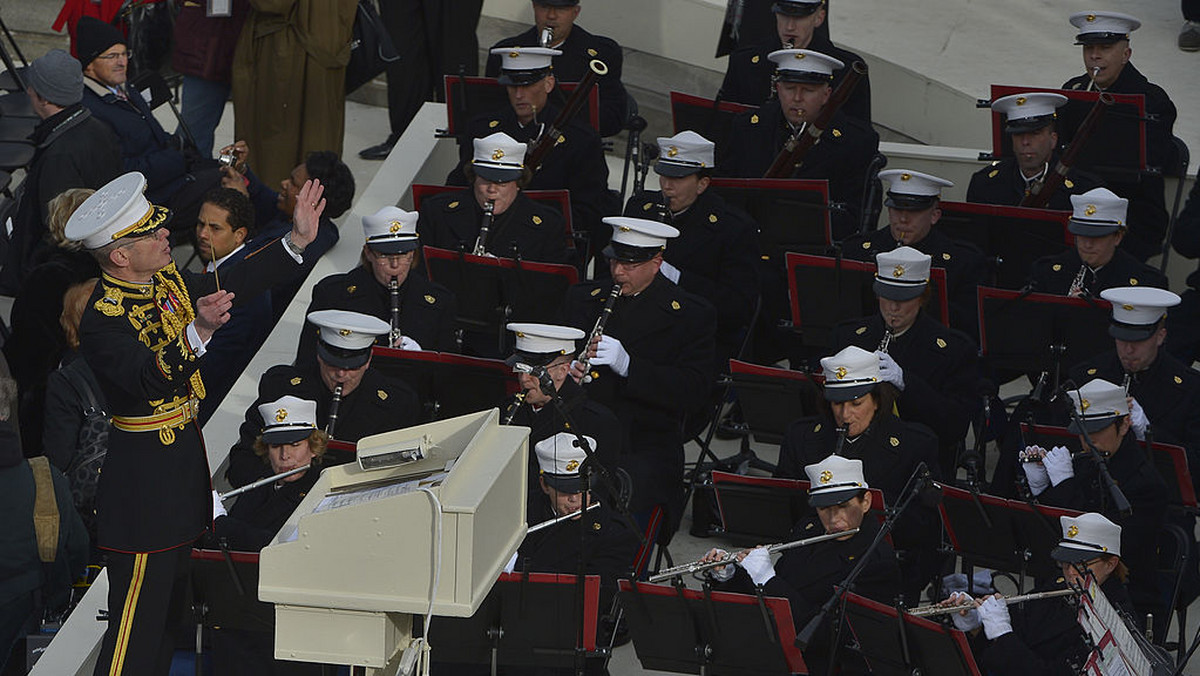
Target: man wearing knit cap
<point>177,176</point>
<point>73,150</point>
<point>1104,37</point>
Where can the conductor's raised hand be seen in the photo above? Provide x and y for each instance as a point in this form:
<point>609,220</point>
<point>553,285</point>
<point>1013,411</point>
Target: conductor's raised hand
<point>306,216</point>
<point>212,311</point>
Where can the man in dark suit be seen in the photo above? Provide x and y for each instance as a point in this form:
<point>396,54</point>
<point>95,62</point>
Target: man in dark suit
<point>912,204</point>
<point>748,75</point>
<point>653,364</point>
<point>1095,263</point>
<point>517,226</point>
<point>575,162</point>
<point>143,339</point>
<point>1031,121</point>
<point>803,86</point>
<point>1105,40</point>
<point>425,310</point>
<point>579,48</point>
<point>716,253</point>
<point>353,400</point>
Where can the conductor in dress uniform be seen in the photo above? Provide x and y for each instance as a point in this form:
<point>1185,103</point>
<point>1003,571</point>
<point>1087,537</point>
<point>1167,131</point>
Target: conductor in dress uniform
<point>803,81</point>
<point>575,163</point>
<point>1031,122</point>
<point>808,576</point>
<point>861,403</point>
<point>1056,478</point>
<point>143,339</point>
<point>653,364</point>
<point>912,207</point>
<point>517,226</point>
<point>748,75</point>
<point>716,253</point>
<point>1104,37</point>
<point>1098,222</point>
<point>353,400</point>
<point>426,310</point>
<point>1043,636</point>
<point>934,367</point>
<point>578,48</point>
<point>549,348</point>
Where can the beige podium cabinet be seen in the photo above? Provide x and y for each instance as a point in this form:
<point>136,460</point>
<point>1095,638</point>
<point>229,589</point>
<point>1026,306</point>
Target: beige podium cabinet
<point>360,553</point>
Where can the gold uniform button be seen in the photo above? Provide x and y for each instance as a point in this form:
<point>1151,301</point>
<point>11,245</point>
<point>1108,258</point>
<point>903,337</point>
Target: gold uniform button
<point>1057,267</point>
<point>1069,183</point>
<point>1091,372</point>
<point>675,305</point>
<point>452,205</point>
<point>860,330</point>
<point>837,133</point>
<point>537,220</point>
<point>993,173</point>
<point>382,395</point>
<point>712,218</point>
<point>1178,380</point>
<point>493,124</point>
<point>866,245</point>
<point>647,205</point>
<point>352,288</point>
<point>754,59</point>
<point>592,52</point>
<point>894,442</point>
<point>945,256</point>
<point>754,119</point>
<point>941,343</point>
<point>1133,281</point>
<point>596,291</point>
<point>296,381</point>
<point>430,299</point>
<point>595,525</point>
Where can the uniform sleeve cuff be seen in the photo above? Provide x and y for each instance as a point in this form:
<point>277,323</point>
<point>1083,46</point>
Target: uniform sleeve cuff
<point>193,339</point>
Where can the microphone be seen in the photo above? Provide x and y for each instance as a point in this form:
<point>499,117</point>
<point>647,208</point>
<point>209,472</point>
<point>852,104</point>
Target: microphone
<point>545,382</point>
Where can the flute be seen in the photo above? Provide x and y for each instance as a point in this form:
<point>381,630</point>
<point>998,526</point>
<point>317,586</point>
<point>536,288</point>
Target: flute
<point>559,519</point>
<point>697,566</point>
<point>261,482</point>
<point>929,611</point>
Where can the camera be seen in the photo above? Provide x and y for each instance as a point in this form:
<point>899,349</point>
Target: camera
<point>227,160</point>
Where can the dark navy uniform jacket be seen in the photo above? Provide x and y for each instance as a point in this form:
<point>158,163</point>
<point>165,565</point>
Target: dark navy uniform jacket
<point>527,230</point>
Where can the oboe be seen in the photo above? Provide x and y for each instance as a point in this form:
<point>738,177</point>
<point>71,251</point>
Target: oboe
<point>511,411</point>
<point>597,331</point>
<point>331,425</point>
<point>394,290</point>
<point>489,216</point>
<point>887,340</point>
<point>547,37</point>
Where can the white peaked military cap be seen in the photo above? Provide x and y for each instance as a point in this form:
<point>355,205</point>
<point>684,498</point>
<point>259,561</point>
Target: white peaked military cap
<point>1103,27</point>
<point>347,337</point>
<point>902,273</point>
<point>834,480</point>
<point>684,154</point>
<point>1097,212</point>
<point>1086,537</point>
<point>1099,403</point>
<point>1028,112</point>
<point>540,344</point>
<point>850,374</point>
<point>287,420</point>
<point>1137,310</point>
<point>499,157</point>
<point>636,239</point>
<point>559,457</point>
<point>804,65</point>
<point>391,230</point>
<point>119,209</point>
<point>524,65</point>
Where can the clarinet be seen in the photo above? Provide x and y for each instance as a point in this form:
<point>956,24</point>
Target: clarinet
<point>662,208</point>
<point>510,412</point>
<point>333,411</point>
<point>887,340</point>
<point>489,215</point>
<point>394,291</point>
<point>1077,284</point>
<point>842,432</point>
<point>597,331</point>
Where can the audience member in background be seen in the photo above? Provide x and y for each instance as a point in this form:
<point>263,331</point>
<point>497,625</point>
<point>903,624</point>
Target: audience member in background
<point>177,177</point>
<point>28,582</point>
<point>289,73</point>
<point>1189,35</point>
<point>37,341</point>
<point>73,150</point>
<point>203,55</point>
<point>225,224</point>
<point>1183,323</point>
<point>440,35</point>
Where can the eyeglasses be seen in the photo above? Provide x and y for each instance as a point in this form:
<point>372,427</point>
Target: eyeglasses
<point>127,54</point>
<point>394,259</point>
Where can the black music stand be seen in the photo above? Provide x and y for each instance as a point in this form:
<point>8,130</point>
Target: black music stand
<point>1170,461</point>
<point>1014,237</point>
<point>711,119</point>
<point>896,645</point>
<point>772,398</point>
<point>713,633</point>
<point>226,583</point>
<point>1034,332</point>
<point>847,292</point>
<point>447,385</point>
<point>1118,150</point>
<point>792,214</point>
<point>494,291</point>
<point>469,97</point>
<point>1018,540</point>
<point>526,620</point>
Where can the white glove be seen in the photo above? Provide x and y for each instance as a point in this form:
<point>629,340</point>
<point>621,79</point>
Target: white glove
<point>890,371</point>
<point>669,271</point>
<point>611,353</point>
<point>758,564</point>
<point>993,613</point>
<point>721,573</point>
<point>218,508</point>
<point>512,564</point>
<point>1039,479</point>
<point>407,343</point>
<point>1138,419</point>
<point>968,621</point>
<point>1058,465</point>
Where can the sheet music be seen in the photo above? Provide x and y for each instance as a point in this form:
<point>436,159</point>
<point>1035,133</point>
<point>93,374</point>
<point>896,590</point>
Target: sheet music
<point>1119,652</point>
<point>366,495</point>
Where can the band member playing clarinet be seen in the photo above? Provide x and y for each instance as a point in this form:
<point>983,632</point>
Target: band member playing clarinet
<point>1098,222</point>
<point>353,400</point>
<point>931,365</point>
<point>1043,637</point>
<point>425,309</point>
<point>806,576</point>
<point>862,426</point>
<point>516,227</point>
<point>652,365</point>
<point>548,348</point>
<point>803,84</point>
